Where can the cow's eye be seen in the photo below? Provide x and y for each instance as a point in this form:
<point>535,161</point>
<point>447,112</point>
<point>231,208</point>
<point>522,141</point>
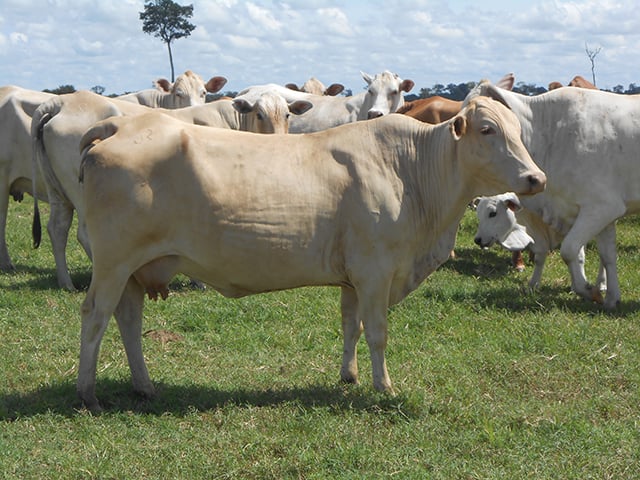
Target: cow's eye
<point>260,117</point>
<point>394,93</point>
<point>492,214</point>
<point>486,130</point>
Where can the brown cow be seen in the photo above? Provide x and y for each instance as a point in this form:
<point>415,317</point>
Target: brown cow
<point>439,109</point>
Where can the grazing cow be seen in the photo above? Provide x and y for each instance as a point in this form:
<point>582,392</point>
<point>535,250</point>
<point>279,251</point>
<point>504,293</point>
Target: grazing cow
<point>189,89</point>
<point>371,207</point>
<point>438,109</point>
<point>503,220</point>
<point>587,142</point>
<point>316,87</point>
<point>58,126</point>
<point>16,108</point>
<point>382,96</point>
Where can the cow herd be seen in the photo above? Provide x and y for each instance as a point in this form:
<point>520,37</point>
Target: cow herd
<point>343,192</point>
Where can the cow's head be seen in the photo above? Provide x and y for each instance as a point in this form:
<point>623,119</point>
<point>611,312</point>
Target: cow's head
<point>384,94</point>
<point>269,113</point>
<point>497,222</point>
<point>189,89</point>
<point>490,152</point>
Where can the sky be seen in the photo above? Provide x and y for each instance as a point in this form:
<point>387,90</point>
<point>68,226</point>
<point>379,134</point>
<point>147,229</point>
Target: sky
<point>84,43</point>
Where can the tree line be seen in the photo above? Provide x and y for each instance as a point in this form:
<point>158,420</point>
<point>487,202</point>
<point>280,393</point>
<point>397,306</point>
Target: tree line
<point>452,91</point>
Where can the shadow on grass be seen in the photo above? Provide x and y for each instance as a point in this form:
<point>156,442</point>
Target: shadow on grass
<point>491,266</point>
<point>118,396</point>
<point>36,278</point>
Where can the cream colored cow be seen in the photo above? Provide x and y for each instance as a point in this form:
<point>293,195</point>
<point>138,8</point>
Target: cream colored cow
<point>16,108</point>
<point>189,89</point>
<point>59,123</point>
<point>370,207</point>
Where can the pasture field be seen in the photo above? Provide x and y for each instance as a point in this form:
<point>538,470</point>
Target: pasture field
<point>492,383</point>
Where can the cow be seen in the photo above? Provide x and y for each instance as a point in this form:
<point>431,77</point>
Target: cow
<point>16,108</point>
<point>577,81</point>
<point>189,89</point>
<point>586,141</point>
<point>316,87</point>
<point>503,220</point>
<point>382,96</point>
<point>58,125</point>
<point>582,82</point>
<point>370,207</point>
<point>438,109</point>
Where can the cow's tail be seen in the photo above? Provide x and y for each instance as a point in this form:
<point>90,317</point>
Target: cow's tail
<point>39,160</point>
<point>99,132</point>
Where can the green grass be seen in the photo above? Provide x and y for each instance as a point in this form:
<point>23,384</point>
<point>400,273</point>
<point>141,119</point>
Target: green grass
<point>492,383</point>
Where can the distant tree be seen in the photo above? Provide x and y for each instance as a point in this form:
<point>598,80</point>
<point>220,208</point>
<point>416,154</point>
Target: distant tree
<point>61,89</point>
<point>528,89</point>
<point>347,92</point>
<point>168,21</point>
<point>592,58</point>
<point>633,89</point>
<point>99,89</point>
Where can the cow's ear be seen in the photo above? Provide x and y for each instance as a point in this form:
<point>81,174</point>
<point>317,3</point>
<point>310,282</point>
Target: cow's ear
<point>163,85</point>
<point>241,105</point>
<point>512,202</point>
<point>407,85</point>
<point>215,84</point>
<point>458,127</point>
<point>299,107</point>
<point>292,86</point>
<point>334,89</point>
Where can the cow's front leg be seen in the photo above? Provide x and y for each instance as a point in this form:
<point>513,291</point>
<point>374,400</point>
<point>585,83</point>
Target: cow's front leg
<point>608,272</point>
<point>591,222</point>
<point>372,309</point>
<point>351,330</point>
<point>129,317</point>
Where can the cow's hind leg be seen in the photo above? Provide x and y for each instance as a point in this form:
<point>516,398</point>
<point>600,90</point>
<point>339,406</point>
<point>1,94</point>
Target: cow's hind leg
<point>60,219</point>
<point>98,306</point>
<point>128,314</point>
<point>351,329</point>
<point>5,260</point>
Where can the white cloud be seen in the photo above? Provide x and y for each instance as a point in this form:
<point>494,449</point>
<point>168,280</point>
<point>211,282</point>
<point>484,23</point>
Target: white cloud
<point>263,17</point>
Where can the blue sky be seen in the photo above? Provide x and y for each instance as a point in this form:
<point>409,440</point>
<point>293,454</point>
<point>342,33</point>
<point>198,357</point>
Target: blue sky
<point>47,43</point>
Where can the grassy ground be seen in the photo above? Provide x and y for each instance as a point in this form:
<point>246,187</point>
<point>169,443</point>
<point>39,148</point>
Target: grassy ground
<point>493,383</point>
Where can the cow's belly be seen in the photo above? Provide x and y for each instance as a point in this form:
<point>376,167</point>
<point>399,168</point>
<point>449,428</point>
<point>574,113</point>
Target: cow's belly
<point>238,265</point>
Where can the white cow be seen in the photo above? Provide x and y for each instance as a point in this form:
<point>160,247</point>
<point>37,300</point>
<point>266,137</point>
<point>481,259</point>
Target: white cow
<point>382,96</point>
<point>372,207</point>
<point>189,89</point>
<point>316,87</point>
<point>503,220</point>
<point>587,143</point>
<point>58,126</point>
<point>16,108</point>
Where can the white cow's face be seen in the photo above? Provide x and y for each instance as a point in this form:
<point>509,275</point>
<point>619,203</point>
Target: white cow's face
<point>384,94</point>
<point>496,218</point>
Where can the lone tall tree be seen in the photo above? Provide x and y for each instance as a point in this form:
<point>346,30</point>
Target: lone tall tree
<point>167,20</point>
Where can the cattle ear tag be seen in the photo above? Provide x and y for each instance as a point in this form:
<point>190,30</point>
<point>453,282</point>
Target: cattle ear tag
<point>458,127</point>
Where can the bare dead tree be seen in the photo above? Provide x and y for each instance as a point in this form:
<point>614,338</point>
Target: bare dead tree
<point>592,57</point>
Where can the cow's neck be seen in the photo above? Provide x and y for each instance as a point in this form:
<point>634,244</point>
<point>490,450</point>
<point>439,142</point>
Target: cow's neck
<point>442,185</point>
